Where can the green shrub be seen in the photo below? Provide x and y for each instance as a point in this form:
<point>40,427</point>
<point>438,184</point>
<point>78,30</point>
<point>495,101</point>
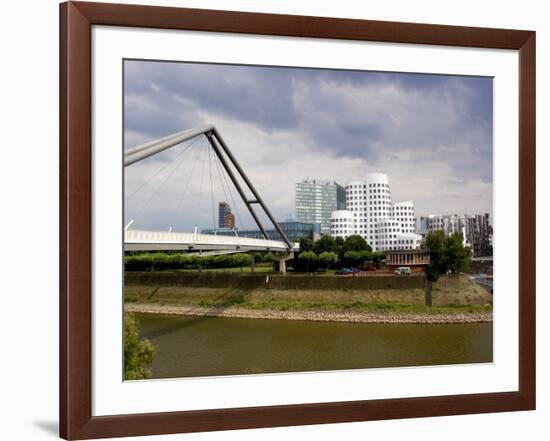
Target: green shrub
<point>138,352</point>
<point>139,262</point>
<point>164,261</point>
<point>161,261</point>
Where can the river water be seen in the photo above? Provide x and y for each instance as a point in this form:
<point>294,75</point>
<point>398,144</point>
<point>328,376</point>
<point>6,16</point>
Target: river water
<point>205,346</point>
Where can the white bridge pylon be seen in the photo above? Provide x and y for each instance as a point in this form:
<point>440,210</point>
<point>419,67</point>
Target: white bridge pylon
<point>142,240</point>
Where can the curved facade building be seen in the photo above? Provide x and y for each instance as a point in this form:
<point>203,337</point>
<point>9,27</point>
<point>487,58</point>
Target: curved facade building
<point>342,223</point>
<point>371,214</point>
<point>403,212</point>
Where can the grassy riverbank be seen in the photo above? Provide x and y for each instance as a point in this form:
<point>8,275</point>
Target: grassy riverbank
<point>455,299</point>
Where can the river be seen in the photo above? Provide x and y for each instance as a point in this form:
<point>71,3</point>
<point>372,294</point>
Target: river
<point>206,346</point>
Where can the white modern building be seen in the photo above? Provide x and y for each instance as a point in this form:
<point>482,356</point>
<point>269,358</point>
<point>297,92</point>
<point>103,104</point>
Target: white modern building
<point>370,213</point>
<point>342,224</point>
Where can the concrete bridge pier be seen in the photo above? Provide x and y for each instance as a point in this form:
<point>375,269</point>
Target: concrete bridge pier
<point>282,258</point>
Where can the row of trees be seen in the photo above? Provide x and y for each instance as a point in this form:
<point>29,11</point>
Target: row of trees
<point>329,252</point>
<point>162,261</point>
<point>447,254</point>
<point>335,245</point>
<point>325,253</point>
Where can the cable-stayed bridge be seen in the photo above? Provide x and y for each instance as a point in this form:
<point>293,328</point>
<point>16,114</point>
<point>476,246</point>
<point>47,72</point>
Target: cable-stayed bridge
<point>144,240</point>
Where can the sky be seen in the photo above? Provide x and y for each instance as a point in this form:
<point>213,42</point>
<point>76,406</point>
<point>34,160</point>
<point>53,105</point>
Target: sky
<point>431,134</point>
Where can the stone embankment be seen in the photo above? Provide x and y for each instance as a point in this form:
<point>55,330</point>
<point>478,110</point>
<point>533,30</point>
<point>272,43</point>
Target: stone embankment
<point>315,315</point>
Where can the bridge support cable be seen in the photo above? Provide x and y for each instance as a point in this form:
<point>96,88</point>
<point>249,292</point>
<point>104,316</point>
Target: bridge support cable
<point>201,180</point>
<point>182,197</point>
<point>211,187</point>
<point>180,205</point>
<point>158,172</point>
<point>179,160</point>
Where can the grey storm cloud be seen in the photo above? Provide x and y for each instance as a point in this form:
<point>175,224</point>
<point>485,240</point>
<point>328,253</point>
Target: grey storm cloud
<point>237,92</point>
<point>428,132</point>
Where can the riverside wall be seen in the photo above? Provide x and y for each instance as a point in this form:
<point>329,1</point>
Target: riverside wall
<point>280,282</point>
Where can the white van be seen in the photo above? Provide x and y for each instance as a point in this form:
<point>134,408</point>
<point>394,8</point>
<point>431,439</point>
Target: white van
<point>403,271</point>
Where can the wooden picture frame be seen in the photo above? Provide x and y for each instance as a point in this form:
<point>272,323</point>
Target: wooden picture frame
<point>76,21</point>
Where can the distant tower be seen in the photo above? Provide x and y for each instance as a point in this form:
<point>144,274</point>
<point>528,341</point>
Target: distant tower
<point>223,210</point>
<point>229,221</point>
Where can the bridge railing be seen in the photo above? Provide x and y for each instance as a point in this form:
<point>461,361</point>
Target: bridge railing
<point>159,237</point>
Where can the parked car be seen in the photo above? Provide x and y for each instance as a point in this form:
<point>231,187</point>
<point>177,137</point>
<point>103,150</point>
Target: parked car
<point>347,271</point>
<point>403,271</point>
<point>370,268</point>
<point>344,272</point>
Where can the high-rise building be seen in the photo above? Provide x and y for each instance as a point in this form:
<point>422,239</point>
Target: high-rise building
<point>421,226</point>
<point>223,210</point>
<point>316,199</point>
<point>477,233</point>
<point>370,213</point>
<point>229,220</point>
<point>449,224</point>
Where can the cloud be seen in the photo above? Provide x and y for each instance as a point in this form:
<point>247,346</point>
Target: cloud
<point>432,134</point>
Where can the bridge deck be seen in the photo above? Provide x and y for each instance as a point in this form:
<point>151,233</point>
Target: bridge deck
<point>141,240</point>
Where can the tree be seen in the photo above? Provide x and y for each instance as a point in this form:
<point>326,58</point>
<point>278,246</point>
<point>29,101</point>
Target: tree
<point>431,273</point>
<point>325,243</point>
<point>309,258</point>
<point>355,243</point>
<point>457,256</point>
<point>327,258</point>
<point>352,258</point>
<point>306,244</point>
<point>435,242</point>
<point>138,352</point>
<point>365,255</point>
<point>447,254</point>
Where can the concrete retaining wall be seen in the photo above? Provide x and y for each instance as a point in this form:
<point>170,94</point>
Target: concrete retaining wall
<point>221,280</point>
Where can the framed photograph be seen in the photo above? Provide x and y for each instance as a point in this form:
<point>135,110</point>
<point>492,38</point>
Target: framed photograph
<point>272,220</point>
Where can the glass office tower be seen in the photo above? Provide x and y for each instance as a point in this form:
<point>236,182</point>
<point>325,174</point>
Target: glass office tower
<point>316,199</point>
